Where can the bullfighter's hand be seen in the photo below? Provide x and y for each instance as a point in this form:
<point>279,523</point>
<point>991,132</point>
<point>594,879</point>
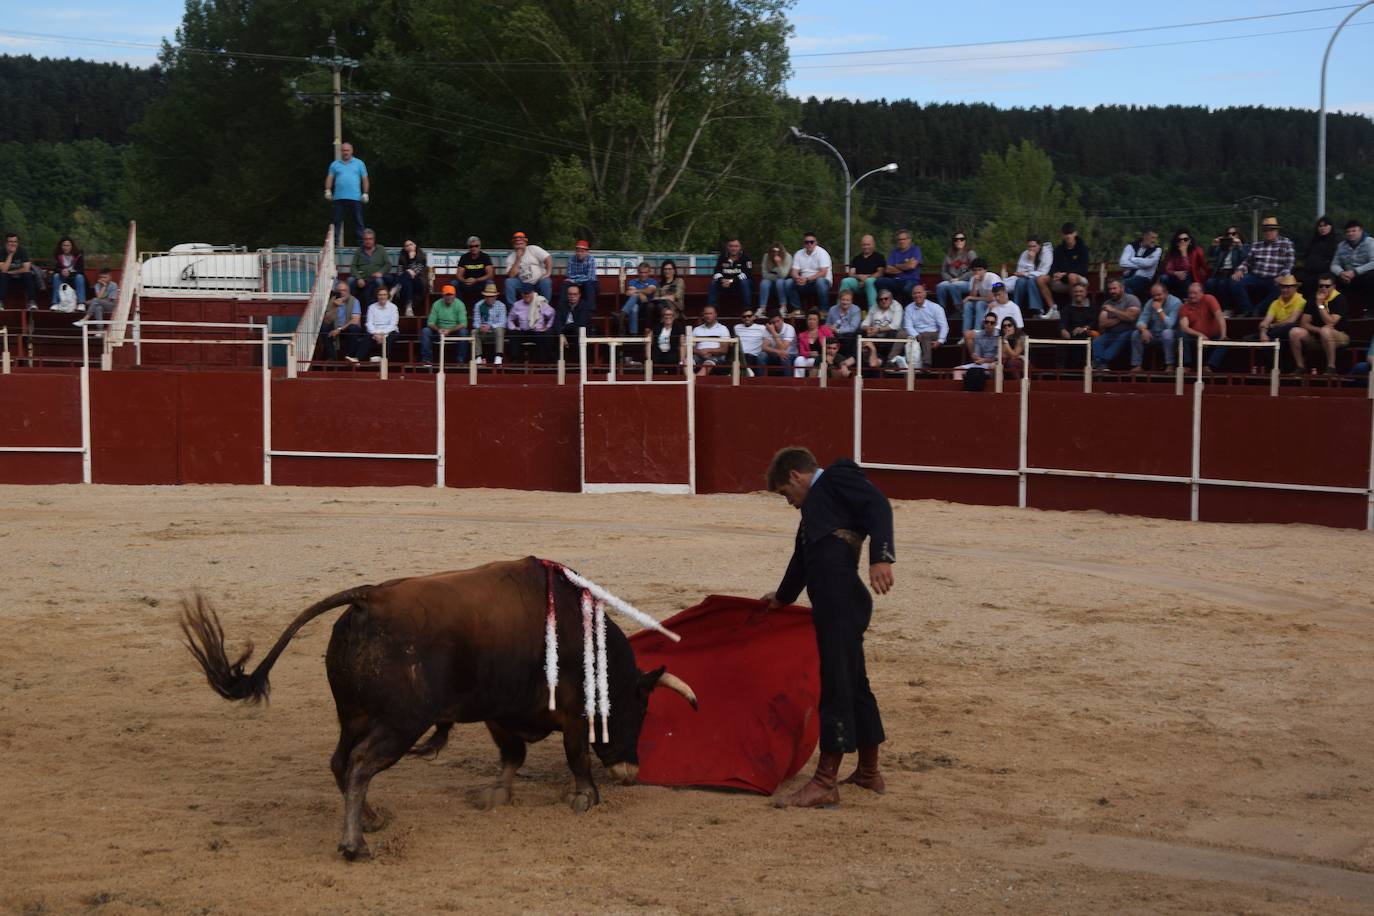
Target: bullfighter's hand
<point>880,577</point>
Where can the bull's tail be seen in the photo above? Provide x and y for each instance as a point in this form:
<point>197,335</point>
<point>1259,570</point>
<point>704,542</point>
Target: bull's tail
<point>205,638</point>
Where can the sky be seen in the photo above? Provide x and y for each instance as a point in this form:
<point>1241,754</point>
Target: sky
<point>1051,52</point>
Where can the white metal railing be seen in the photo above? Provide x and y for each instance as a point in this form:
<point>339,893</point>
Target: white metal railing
<point>308,328</point>
<point>128,289</point>
<point>224,270</point>
<point>5,353</point>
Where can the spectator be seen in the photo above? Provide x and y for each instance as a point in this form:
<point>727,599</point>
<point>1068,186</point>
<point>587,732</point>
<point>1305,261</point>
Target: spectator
<point>751,335</point>
<point>1115,324</point>
<point>531,321</point>
<point>347,185</point>
<point>956,272</point>
<point>68,268</point>
<point>1139,262</point>
<point>775,277</point>
<point>903,270</point>
<point>983,347</point>
<point>1321,326</point>
<point>978,300</point>
<point>712,348</point>
<point>672,290</point>
<point>1201,318</point>
<point>1156,326</point>
<point>1284,314</point>
<point>836,363</point>
<point>489,325</point>
<point>844,319</point>
<point>368,268</point>
<point>885,320</point>
<point>1363,366</point>
<point>810,344</point>
<point>810,270</point>
<point>925,324</point>
<point>528,266</point>
<point>865,269</point>
<point>1077,321</point>
<point>15,267</point>
<point>1003,307</point>
<point>780,346</point>
<point>342,329</point>
<point>1353,264</point>
<point>1269,258</point>
<point>1012,342</point>
<point>106,296</point>
<point>1024,283</point>
<point>640,292</point>
<point>734,270</point>
<point>1228,252</point>
<point>411,277</point>
<point>383,325</point>
<point>1184,264</point>
<point>449,316</point>
<point>580,274</point>
<point>575,313</point>
<point>667,342</point>
<point>1068,265</point>
<point>475,271</point>
<point>1321,250</point>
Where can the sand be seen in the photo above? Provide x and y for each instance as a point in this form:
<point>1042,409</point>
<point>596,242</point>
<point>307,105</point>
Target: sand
<point>1086,714</point>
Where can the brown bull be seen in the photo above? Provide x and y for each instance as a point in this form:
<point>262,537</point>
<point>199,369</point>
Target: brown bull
<point>429,651</point>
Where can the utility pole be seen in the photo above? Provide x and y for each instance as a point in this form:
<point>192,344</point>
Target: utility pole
<point>1254,203</point>
<point>337,64</point>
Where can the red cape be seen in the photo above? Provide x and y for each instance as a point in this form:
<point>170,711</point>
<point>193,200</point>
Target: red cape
<point>757,678</point>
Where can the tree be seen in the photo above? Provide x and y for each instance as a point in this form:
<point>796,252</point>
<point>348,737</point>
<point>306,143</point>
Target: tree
<point>1020,188</point>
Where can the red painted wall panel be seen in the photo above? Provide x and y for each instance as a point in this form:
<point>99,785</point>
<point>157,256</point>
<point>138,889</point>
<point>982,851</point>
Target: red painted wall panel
<point>352,472</point>
<point>1124,497</point>
<point>636,434</point>
<point>1123,434</point>
<point>1308,440</point>
<point>317,413</point>
<point>739,429</point>
<point>970,489</point>
<point>516,437</point>
<point>220,418</point>
<point>134,427</point>
<point>40,409</point>
<point>1238,504</point>
<point>941,428</point>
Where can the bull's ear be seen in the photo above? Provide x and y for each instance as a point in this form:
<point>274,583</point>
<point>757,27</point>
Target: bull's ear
<point>648,680</point>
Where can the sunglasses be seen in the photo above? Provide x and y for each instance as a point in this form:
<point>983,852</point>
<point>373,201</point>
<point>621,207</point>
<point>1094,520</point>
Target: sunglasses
<point>884,298</point>
<point>748,314</point>
<point>1234,234</point>
<point>808,241</point>
<point>1184,238</point>
<point>1325,285</point>
<point>959,238</point>
<point>993,321</point>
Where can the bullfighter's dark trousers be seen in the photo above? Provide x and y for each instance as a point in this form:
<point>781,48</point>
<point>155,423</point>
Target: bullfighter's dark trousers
<point>840,610</point>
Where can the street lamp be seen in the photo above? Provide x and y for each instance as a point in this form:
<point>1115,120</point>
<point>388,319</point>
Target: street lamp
<point>1321,122</point>
<point>849,186</point>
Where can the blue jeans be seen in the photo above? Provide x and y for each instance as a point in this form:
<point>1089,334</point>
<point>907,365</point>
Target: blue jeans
<point>1164,340</point>
<point>1027,295</point>
<point>1228,293</point>
<point>409,287</point>
<point>870,288</point>
<point>1112,342</point>
<point>899,288</point>
<point>781,289</point>
<point>974,310</point>
<point>822,288</point>
<point>631,312</point>
<point>76,281</point>
<point>950,293</point>
<point>1215,360</point>
<point>515,289</point>
<point>342,207</point>
<point>429,336</point>
<point>1252,288</point>
<point>1137,285</point>
<point>746,295</point>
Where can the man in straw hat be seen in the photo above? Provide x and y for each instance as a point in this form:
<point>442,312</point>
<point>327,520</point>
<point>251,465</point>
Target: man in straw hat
<point>489,325</point>
<point>1285,312</point>
<point>1257,276</point>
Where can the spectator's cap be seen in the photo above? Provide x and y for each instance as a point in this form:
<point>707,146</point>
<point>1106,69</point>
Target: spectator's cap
<point>489,289</point>
<point>1270,222</point>
<point>474,240</point>
<point>519,235</point>
<point>1287,280</point>
<point>582,245</point>
<point>449,290</point>
<point>999,286</point>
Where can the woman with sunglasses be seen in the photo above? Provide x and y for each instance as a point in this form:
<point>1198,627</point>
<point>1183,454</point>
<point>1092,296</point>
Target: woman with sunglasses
<point>956,271</point>
<point>1012,341</point>
<point>1228,252</point>
<point>1184,265</point>
<point>1321,251</point>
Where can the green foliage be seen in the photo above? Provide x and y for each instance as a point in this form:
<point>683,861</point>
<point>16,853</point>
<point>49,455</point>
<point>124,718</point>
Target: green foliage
<point>1020,188</point>
<point>58,101</point>
<point>54,189</point>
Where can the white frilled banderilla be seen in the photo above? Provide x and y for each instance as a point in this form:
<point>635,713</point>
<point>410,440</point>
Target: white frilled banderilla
<point>595,679</point>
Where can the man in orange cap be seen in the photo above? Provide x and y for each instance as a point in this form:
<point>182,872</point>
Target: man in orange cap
<point>581,276</point>
<point>447,316</point>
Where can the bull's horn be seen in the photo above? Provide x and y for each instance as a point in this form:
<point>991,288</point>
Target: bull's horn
<point>679,686</point>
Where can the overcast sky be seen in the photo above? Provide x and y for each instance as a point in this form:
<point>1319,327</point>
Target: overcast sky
<point>1256,62</point>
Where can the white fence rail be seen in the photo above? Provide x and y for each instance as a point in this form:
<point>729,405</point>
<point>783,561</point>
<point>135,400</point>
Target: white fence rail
<point>198,269</point>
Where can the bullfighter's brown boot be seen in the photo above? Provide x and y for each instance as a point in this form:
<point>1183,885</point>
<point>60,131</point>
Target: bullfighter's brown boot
<point>867,774</point>
<point>820,791</point>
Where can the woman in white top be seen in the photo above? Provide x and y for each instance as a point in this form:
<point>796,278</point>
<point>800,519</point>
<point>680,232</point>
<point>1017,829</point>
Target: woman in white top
<point>1034,262</point>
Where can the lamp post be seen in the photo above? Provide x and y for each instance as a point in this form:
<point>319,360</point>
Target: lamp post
<point>1321,118</point>
<point>849,186</point>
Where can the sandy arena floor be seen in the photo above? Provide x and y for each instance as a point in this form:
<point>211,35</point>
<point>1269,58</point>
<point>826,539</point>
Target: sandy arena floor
<point>1086,713</point>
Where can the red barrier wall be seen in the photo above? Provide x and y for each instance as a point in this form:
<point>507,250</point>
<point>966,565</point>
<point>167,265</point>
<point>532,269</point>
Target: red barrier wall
<point>636,434</point>
<point>739,429</point>
<point>518,438</point>
<point>40,410</point>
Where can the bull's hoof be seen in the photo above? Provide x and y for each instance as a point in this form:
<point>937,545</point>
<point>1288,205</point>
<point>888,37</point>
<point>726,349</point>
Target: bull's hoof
<point>581,801</point>
<point>355,853</point>
<point>494,797</point>
<point>375,819</point>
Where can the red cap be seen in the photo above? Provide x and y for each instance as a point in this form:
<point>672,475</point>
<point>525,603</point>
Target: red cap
<point>582,243</point>
<point>518,235</point>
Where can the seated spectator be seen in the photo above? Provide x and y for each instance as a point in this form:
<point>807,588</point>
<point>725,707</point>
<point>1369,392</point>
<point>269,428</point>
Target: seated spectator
<point>1077,321</point>
<point>1024,283</point>
<point>1316,260</point>
<point>531,321</point>
<point>978,300</point>
<point>984,347</point>
<point>1321,326</point>
<point>1257,277</point>
<point>1068,265</point>
<point>528,267</point>
<point>640,292</point>
<point>925,323</point>
<point>775,278</point>
<point>956,272</point>
<point>410,280</point>
<point>672,290</point>
<point>844,319</point>
<point>341,332</point>
<point>448,316</point>
<point>573,315</point>
<point>1284,314</point>
<point>810,345</point>
<point>489,325</point>
<point>780,346</point>
<point>903,270</point>
<point>15,267</point>
<point>810,271</point>
<point>837,364</point>
<point>751,335</point>
<point>1353,265</point>
<point>1201,318</point>
<point>68,268</point>
<point>1115,323</point>
<point>885,320</point>
<point>1003,307</point>
<point>369,268</point>
<point>667,342</point>
<point>475,271</point>
<point>710,338</point>
<point>864,270</point>
<point>1012,341</point>
<point>1184,264</point>
<point>580,275</point>
<point>383,326</point>
<point>734,271</point>
<point>1139,262</point>
<point>1363,366</point>
<point>105,297</point>
<point>1229,251</point>
<point>1156,327</point>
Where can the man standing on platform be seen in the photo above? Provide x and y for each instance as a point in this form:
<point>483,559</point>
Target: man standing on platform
<point>347,185</point>
<point>839,508</point>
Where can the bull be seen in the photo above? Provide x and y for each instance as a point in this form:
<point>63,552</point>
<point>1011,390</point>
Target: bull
<point>426,652</point>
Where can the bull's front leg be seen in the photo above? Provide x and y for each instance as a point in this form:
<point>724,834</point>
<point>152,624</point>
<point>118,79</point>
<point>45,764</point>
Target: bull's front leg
<point>512,748</point>
<point>575,745</point>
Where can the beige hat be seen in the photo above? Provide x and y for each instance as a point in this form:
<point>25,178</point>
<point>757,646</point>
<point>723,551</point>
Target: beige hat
<point>1287,280</point>
<point>1270,222</point>
<point>489,289</point>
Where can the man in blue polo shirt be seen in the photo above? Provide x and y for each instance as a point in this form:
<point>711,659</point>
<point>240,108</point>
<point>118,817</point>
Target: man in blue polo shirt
<point>346,184</point>
<point>903,270</point>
